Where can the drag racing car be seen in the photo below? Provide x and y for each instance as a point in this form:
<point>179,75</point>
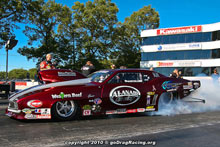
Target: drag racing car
<point>104,92</point>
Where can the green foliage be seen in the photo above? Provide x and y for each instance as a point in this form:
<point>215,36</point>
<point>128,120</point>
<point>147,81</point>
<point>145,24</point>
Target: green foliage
<point>90,31</point>
<point>32,72</point>
<point>95,23</point>
<point>42,31</point>
<point>12,12</point>
<point>2,75</point>
<point>17,74</point>
<point>129,39</point>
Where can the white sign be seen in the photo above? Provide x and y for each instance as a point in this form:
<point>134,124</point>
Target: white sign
<point>171,47</point>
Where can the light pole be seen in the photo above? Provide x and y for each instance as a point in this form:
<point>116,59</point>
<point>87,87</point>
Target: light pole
<point>11,43</point>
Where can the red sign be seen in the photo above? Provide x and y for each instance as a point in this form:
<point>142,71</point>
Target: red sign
<point>35,103</point>
<point>180,30</point>
<point>164,64</point>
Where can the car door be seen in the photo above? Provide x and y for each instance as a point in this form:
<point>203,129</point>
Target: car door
<point>125,91</point>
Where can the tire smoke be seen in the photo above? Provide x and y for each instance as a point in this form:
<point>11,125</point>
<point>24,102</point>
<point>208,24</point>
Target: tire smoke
<point>209,91</point>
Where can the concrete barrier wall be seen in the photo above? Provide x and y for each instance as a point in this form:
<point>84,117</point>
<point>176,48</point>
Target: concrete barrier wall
<point>23,85</point>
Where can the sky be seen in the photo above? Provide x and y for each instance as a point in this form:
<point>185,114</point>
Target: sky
<point>173,13</point>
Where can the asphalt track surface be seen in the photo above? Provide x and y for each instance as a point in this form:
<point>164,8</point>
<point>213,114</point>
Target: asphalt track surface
<point>184,130</point>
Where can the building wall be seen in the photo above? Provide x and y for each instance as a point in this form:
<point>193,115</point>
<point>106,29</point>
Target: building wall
<point>192,49</point>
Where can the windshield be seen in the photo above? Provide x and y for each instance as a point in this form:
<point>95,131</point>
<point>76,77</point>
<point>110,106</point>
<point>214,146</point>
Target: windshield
<point>100,76</point>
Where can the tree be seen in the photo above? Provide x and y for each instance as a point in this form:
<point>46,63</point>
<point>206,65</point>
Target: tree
<point>95,23</point>
<point>17,74</point>
<point>90,31</point>
<point>2,75</point>
<point>129,40</point>
<point>32,72</point>
<point>42,32</point>
<point>12,12</point>
<point>67,37</point>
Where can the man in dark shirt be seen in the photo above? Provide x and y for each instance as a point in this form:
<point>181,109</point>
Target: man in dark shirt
<point>88,68</point>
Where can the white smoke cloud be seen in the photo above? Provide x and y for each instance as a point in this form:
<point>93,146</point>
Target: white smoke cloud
<point>209,91</point>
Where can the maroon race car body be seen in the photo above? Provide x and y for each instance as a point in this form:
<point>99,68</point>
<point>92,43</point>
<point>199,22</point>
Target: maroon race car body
<point>105,92</point>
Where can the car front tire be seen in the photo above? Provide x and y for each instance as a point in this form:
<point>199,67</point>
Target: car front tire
<point>64,110</point>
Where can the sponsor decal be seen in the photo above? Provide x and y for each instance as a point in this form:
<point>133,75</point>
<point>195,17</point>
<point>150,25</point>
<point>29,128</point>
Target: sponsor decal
<point>140,110</point>
<point>150,108</point>
<point>96,108</point>
<point>63,95</point>
<point>121,111</point>
<point>43,111</point>
<point>30,116</point>
<point>124,95</point>
<point>87,107</point>
<point>131,81</point>
<point>167,85</point>
<point>90,96</point>
<point>34,103</point>
<point>27,110</point>
<point>43,116</point>
<point>111,112</point>
<point>86,112</point>
<point>151,93</point>
<point>132,111</point>
<point>148,100</point>
<point>179,30</point>
<point>66,74</point>
<point>154,99</point>
<point>146,78</point>
<point>97,101</point>
<point>153,88</point>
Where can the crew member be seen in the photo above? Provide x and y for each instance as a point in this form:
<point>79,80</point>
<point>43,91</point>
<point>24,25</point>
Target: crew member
<point>215,75</point>
<point>175,73</point>
<point>47,64</point>
<point>113,66</point>
<point>88,68</point>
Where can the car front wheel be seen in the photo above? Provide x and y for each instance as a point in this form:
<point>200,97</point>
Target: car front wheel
<point>64,110</point>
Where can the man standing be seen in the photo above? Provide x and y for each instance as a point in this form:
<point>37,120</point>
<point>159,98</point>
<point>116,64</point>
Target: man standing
<point>215,75</point>
<point>175,73</point>
<point>47,64</point>
<point>88,68</point>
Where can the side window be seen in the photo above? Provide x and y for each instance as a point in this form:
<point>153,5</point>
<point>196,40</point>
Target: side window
<point>118,78</point>
<point>128,77</point>
<point>133,77</point>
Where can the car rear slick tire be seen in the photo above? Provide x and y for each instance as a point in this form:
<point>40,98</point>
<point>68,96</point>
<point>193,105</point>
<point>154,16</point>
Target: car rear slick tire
<point>165,100</point>
<point>64,110</point>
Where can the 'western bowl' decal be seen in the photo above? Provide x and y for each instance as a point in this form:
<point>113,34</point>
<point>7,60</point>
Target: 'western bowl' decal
<point>124,95</point>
